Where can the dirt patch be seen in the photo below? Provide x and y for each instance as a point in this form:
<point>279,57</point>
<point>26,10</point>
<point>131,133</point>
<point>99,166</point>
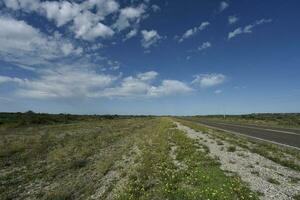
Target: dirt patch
<point>179,165</point>
<point>115,180</point>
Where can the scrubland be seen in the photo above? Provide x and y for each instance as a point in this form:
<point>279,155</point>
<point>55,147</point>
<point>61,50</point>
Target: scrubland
<point>130,158</point>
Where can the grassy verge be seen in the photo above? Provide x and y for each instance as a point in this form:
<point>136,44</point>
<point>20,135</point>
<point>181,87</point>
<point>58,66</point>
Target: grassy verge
<point>63,161</point>
<point>158,177</point>
<point>94,160</point>
<point>288,120</point>
<point>285,156</point>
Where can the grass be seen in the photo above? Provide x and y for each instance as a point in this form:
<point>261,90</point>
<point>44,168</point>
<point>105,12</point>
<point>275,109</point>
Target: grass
<point>158,178</point>
<point>61,161</point>
<point>273,181</point>
<point>296,197</point>
<point>285,156</point>
<point>79,160</point>
<point>294,179</point>
<point>291,120</point>
<point>231,149</point>
<point>116,158</point>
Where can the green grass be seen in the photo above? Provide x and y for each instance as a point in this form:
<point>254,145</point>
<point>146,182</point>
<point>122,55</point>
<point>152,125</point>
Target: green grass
<point>290,120</point>
<point>74,161</point>
<point>158,178</point>
<point>63,160</point>
<point>285,156</point>
<point>273,181</point>
<point>296,197</point>
<point>231,149</point>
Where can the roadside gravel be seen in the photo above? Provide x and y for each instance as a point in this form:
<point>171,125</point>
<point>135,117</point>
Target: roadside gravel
<point>268,178</point>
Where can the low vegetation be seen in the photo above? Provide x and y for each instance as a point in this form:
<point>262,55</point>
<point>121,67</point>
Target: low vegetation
<point>159,178</point>
<point>30,118</point>
<point>120,158</point>
<point>273,181</point>
<point>272,119</point>
<point>285,156</point>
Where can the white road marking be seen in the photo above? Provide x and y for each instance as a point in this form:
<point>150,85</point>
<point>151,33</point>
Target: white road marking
<point>237,133</point>
<point>266,129</point>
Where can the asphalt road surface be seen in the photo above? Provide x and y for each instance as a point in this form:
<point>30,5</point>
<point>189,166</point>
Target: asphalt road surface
<point>290,137</point>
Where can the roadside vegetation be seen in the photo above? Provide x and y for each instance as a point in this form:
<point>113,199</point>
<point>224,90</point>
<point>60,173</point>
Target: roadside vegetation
<point>63,161</point>
<point>14,120</point>
<point>289,120</point>
<point>119,158</point>
<point>285,156</point>
<point>192,175</point>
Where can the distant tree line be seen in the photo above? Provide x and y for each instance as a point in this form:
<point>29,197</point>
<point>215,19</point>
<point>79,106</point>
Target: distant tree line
<point>32,118</point>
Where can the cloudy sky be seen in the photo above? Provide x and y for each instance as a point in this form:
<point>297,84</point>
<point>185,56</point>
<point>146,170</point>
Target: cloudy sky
<point>150,56</point>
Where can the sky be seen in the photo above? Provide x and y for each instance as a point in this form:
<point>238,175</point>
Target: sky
<point>150,56</point>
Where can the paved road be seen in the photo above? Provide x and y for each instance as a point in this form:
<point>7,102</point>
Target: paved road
<point>283,136</point>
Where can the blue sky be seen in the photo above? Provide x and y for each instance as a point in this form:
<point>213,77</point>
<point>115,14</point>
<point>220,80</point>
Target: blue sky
<point>150,56</point>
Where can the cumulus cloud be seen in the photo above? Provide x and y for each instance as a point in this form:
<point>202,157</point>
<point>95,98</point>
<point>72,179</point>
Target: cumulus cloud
<point>85,19</point>
<point>64,83</point>
<point>169,87</point>
<point>26,5</point>
<point>247,29</point>
<point>209,80</point>
<point>147,76</point>
<point>193,31</point>
<point>205,45</point>
<point>232,19</point>
<point>141,86</point>
<point>70,83</point>
<point>60,11</point>
<point>149,38</point>
<point>155,8</point>
<point>129,15</point>
<point>24,44</point>
<point>5,79</point>
<point>223,6</point>
<point>131,34</point>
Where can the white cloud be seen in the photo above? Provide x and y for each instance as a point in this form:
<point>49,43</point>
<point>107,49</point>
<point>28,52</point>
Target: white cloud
<point>93,12</point>
<point>60,11</point>
<point>5,79</point>
<point>129,15</point>
<point>147,76</point>
<point>209,80</point>
<point>232,19</point>
<point>248,28</point>
<point>27,47</point>
<point>223,6</point>
<point>149,38</point>
<point>205,45</point>
<point>64,83</point>
<point>169,87</point>
<point>86,27</point>
<point>236,32</point>
<point>104,7</point>
<point>140,86</point>
<point>194,31</point>
<point>218,91</point>
<point>131,34</point>
<point>26,5</point>
<point>69,83</point>
<point>13,4</point>
<point>155,8</point>
<point>24,44</point>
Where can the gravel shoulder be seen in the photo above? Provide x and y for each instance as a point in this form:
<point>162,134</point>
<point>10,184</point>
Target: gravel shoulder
<point>268,178</point>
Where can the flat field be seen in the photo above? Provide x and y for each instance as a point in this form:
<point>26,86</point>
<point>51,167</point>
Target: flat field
<point>139,158</point>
